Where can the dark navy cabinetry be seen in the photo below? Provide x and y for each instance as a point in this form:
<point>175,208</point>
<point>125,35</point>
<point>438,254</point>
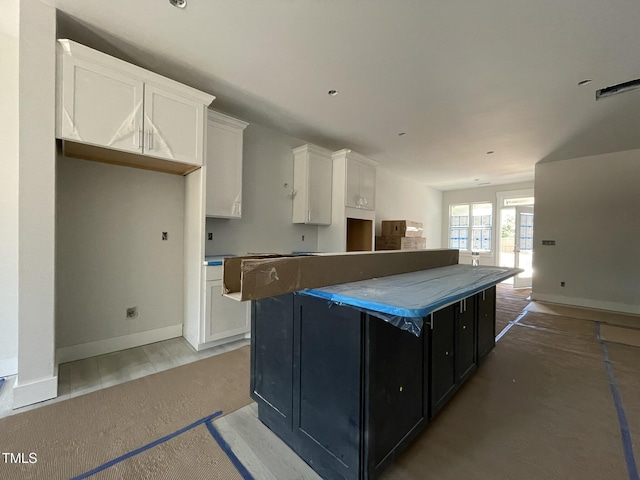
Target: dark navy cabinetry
<point>348,391</point>
<point>486,301</point>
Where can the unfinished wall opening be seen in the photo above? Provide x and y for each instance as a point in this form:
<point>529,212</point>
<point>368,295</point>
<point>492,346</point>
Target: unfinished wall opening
<point>359,235</point>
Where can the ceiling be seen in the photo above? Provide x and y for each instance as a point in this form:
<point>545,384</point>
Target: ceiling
<point>459,78</point>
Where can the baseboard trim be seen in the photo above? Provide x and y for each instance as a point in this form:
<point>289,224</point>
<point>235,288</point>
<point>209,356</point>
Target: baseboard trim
<point>35,392</point>
<point>587,303</point>
<point>8,367</point>
<point>222,341</point>
<point>115,344</point>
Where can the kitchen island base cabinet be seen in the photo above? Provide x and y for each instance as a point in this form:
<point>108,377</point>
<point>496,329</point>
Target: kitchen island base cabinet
<point>345,390</point>
<point>453,347</point>
<point>348,391</point>
<point>486,301</point>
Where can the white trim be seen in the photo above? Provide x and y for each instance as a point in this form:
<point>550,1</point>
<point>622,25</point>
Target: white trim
<point>587,303</point>
<point>224,119</point>
<point>109,345</point>
<point>222,341</point>
<point>502,196</point>
<point>34,392</point>
<point>8,366</point>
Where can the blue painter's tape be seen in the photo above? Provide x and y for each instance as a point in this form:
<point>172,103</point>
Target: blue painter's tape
<point>1,383</point>
<point>242,470</point>
<point>510,324</point>
<point>627,445</point>
<point>147,446</point>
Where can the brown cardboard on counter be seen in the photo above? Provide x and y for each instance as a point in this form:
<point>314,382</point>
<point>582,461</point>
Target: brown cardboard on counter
<point>250,278</point>
<point>401,243</point>
<point>401,228</point>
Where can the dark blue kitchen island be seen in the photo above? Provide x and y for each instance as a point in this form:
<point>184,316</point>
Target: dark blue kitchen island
<point>348,375</point>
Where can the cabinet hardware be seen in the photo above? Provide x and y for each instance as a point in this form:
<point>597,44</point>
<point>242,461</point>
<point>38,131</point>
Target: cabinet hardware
<point>308,215</point>
<point>150,140</point>
<point>431,321</point>
<point>463,305</point>
<point>140,139</point>
<point>464,327</point>
<point>446,354</point>
<point>484,292</point>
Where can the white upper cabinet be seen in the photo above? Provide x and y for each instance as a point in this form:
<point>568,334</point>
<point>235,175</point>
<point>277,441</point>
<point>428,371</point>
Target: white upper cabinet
<point>175,126</point>
<point>360,182</point>
<point>106,102</point>
<point>312,178</point>
<point>224,165</point>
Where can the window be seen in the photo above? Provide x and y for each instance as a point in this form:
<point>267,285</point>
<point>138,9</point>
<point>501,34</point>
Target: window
<point>470,227</point>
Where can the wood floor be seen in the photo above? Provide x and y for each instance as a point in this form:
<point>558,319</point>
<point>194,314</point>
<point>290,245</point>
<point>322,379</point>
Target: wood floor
<point>91,374</point>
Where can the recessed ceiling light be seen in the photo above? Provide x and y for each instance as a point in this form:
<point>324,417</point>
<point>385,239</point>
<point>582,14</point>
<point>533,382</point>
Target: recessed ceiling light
<point>490,152</point>
<point>178,3</point>
<point>333,93</point>
<point>585,81</point>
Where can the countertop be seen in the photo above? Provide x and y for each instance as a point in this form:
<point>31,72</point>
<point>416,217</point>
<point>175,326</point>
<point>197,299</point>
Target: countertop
<point>215,260</point>
<point>408,298</point>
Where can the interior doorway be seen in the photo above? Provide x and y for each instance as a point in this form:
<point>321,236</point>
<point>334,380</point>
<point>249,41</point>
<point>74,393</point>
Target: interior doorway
<point>516,235</point>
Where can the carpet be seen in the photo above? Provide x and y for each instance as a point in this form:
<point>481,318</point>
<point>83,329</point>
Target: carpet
<point>72,437</point>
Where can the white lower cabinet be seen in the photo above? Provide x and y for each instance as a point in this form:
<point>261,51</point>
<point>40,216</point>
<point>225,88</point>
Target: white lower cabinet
<point>224,319</point>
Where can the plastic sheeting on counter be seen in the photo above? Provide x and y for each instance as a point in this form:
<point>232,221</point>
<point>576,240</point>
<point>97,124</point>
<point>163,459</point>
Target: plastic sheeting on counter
<point>405,300</point>
<point>216,260</point>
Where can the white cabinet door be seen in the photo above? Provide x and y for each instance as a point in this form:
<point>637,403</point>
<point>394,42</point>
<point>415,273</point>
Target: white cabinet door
<point>352,198</point>
<point>224,166</point>
<point>360,185</point>
<point>320,176</point>
<point>99,105</point>
<point>368,186</point>
<point>174,126</point>
<point>312,183</point>
<point>224,317</point>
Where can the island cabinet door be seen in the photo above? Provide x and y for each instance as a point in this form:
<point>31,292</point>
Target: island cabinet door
<point>272,360</point>
<point>396,388</point>
<point>443,367</point>
<point>327,387</point>
<point>465,338</point>
<point>486,301</point>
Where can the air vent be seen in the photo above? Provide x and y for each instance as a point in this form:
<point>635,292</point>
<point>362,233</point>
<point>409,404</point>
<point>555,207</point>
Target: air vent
<point>615,89</point>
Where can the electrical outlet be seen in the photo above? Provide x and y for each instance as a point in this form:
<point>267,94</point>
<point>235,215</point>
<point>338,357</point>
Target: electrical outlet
<point>210,236</point>
<point>165,235</point>
<point>562,284</point>
<point>303,238</point>
<point>132,312</point>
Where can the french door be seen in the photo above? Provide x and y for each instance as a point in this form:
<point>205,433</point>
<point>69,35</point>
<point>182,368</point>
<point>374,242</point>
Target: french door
<point>523,247</point>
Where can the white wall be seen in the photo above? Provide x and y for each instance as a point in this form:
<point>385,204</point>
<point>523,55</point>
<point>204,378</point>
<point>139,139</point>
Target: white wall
<point>399,198</point>
<point>480,194</point>
<point>265,225</point>
<point>589,206</point>
<point>9,190</point>
<point>37,378</point>
<point>110,254</point>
